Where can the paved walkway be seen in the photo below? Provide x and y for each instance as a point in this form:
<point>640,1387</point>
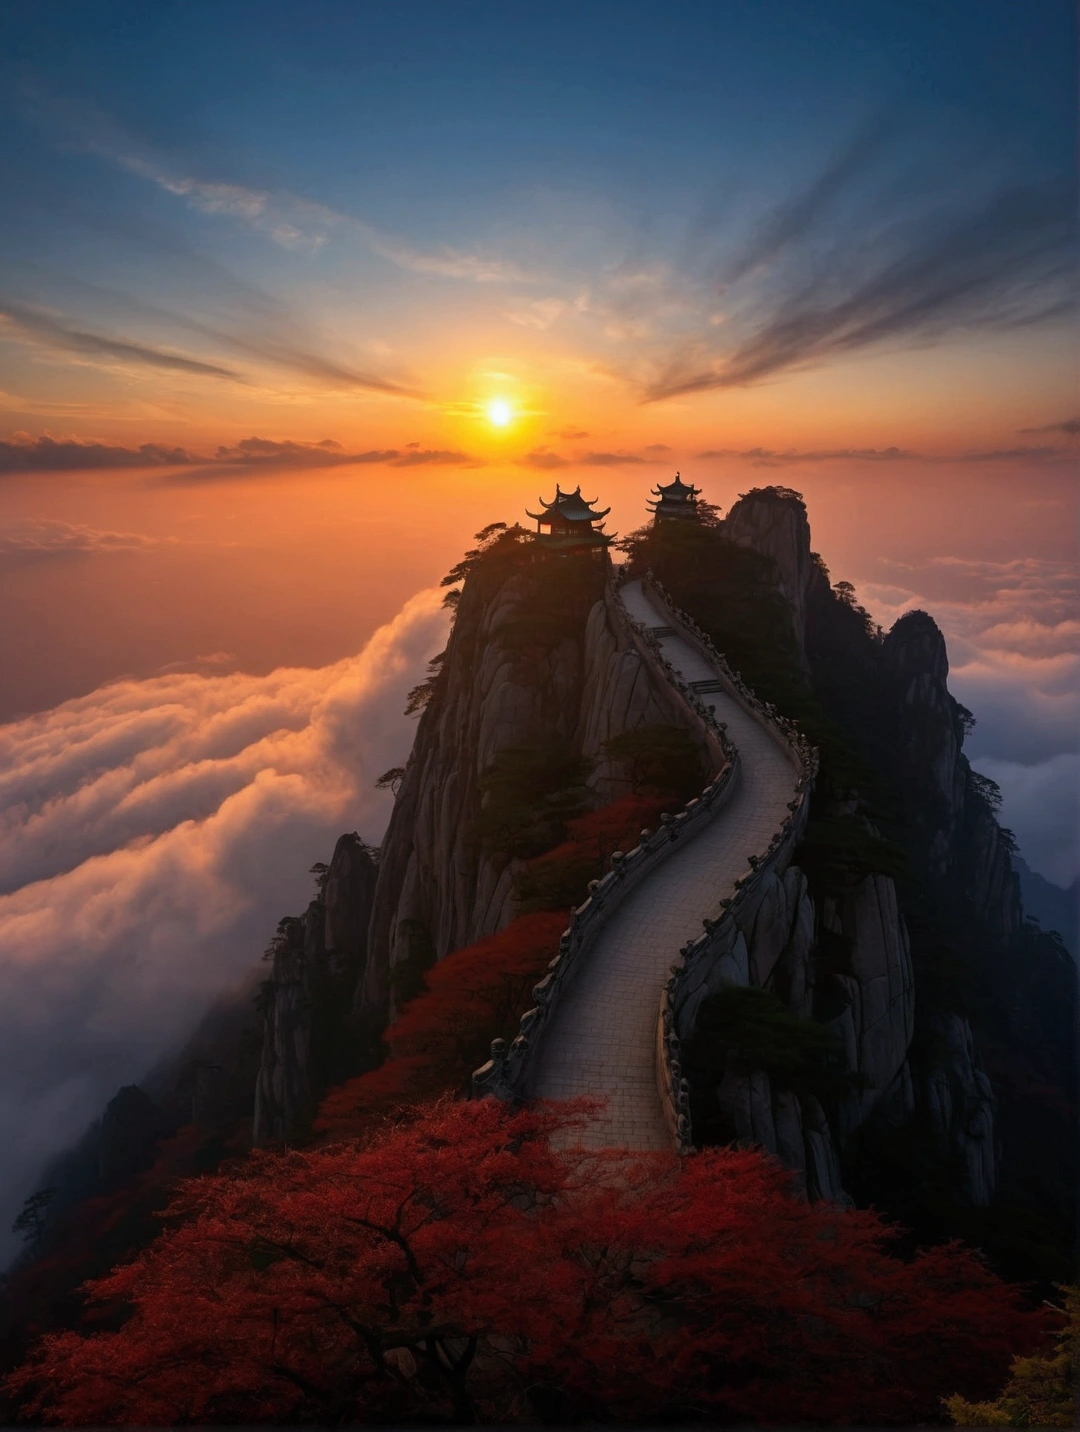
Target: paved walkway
<point>602,1040</point>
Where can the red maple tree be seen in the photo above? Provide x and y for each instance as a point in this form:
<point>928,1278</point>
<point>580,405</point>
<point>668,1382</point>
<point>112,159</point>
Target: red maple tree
<point>456,1266</point>
<point>480,991</point>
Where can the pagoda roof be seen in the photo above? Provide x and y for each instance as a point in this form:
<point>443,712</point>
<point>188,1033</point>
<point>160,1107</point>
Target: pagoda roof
<point>678,490</point>
<point>568,507</point>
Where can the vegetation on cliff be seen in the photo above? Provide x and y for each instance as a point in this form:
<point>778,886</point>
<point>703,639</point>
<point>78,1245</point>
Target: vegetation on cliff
<point>897,797</point>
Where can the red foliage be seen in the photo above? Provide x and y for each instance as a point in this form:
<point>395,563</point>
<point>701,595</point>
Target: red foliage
<point>458,1267</point>
<point>443,1034</point>
<point>613,827</point>
<point>101,1231</point>
<point>479,992</point>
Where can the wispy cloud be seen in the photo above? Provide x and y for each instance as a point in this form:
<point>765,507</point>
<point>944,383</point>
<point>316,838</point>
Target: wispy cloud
<point>274,341</point>
<point>1069,426</point>
<point>794,219</point>
<point>32,538</point>
<point>20,321</point>
<point>947,264</point>
<point>780,457</point>
<point>289,220</point>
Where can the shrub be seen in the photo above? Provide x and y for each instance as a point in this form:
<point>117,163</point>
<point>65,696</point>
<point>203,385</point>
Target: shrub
<point>529,794</point>
<point>753,1025</point>
<point>660,759</point>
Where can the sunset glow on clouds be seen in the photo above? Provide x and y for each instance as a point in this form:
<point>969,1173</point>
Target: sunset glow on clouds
<point>153,833</point>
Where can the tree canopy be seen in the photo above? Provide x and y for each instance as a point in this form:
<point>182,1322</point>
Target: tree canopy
<point>464,1265</point>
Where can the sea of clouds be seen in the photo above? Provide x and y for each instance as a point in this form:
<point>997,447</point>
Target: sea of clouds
<point>1013,634</point>
<point>152,835</point>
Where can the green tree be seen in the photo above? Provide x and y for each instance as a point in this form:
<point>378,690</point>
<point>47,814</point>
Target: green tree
<point>1042,1391</point>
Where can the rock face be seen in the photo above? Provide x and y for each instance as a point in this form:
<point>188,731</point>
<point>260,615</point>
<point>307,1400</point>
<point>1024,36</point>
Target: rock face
<point>959,1102</point>
<point>847,956</point>
<point>437,889</point>
<point>954,828</point>
<point>131,1128</point>
<point>773,522</point>
<point>869,1006</point>
<point>317,960</point>
<point>928,751</point>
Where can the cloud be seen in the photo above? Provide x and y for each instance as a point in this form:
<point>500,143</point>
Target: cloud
<point>1012,629</point>
<point>540,314</point>
<point>569,434</point>
<point>45,454</point>
<point>997,259</point>
<point>32,538</point>
<point>1015,454</point>
<point>47,332</point>
<point>544,459</point>
<point>23,453</point>
<point>1070,426</point>
<point>295,223</point>
<point>612,459</point>
<point>779,457</point>
<point>657,447</point>
<point>795,218</point>
<point>1040,805</point>
<point>775,457</point>
<point>27,324</point>
<point>153,833</point>
<point>266,452</point>
<point>416,456</point>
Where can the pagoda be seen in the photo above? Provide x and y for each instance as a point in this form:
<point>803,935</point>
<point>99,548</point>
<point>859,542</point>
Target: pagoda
<point>677,500</point>
<point>572,522</point>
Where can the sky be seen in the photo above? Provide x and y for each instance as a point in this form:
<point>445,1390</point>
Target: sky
<point>296,298</point>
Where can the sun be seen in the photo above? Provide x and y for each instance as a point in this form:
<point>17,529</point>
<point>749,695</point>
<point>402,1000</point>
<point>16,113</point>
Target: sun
<point>499,412</point>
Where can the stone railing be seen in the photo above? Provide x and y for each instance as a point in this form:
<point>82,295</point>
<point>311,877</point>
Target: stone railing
<point>705,955</point>
<point>506,1073</point>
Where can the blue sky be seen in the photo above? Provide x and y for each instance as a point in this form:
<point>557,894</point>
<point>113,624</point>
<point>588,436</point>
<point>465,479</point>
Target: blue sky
<point>556,140</point>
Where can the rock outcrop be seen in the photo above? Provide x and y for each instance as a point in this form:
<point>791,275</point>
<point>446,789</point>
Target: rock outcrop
<point>574,685</point>
<point>131,1128</point>
<point>773,522</point>
<point>852,961</point>
<point>309,1040</point>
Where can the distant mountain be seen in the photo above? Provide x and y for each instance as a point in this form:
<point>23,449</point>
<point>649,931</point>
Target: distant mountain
<point>1055,908</point>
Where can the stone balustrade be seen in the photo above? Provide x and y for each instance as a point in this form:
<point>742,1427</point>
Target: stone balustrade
<point>506,1074</point>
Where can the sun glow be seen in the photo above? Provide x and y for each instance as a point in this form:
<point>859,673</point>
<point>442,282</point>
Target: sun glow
<point>499,412</point>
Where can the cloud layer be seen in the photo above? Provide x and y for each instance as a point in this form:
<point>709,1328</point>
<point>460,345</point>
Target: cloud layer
<point>153,834</point>
<point>46,454</point>
<point>1013,630</point>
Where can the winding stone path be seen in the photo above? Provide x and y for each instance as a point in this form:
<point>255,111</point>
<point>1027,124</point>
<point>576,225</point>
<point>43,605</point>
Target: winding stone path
<point>602,1038</point>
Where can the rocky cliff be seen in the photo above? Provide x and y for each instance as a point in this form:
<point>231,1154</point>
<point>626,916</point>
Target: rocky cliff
<point>773,522</point>
<point>317,961</point>
<point>921,977</point>
<point>535,660</point>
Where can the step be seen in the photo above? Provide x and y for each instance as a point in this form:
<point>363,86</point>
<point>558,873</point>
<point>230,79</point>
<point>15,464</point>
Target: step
<point>662,630</point>
<point>711,685</point>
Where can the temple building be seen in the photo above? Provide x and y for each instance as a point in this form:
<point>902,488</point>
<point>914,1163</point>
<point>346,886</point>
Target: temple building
<point>571,521</point>
<point>677,501</point>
